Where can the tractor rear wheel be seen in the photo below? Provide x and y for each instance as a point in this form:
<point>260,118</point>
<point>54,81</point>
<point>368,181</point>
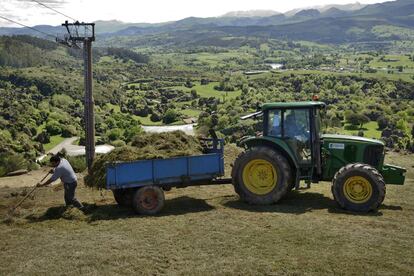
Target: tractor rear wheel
<point>123,197</point>
<point>261,176</point>
<point>148,200</point>
<point>358,187</point>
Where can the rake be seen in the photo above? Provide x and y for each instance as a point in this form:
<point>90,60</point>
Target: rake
<point>11,210</point>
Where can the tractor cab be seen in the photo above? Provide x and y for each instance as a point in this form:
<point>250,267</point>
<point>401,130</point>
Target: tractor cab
<point>297,124</point>
<point>295,127</point>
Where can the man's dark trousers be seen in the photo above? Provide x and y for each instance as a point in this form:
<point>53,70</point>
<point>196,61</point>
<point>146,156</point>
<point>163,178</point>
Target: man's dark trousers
<point>70,199</point>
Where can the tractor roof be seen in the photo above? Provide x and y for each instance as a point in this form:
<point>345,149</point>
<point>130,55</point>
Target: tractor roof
<point>283,105</point>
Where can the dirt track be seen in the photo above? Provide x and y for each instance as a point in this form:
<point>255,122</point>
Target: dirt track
<point>25,180</point>
<point>188,129</point>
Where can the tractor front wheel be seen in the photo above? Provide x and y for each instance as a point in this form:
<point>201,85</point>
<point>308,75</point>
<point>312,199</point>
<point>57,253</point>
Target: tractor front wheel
<point>358,187</point>
<point>148,200</point>
<point>261,176</point>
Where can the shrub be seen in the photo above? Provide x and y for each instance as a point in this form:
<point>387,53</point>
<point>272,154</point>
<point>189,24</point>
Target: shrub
<point>155,117</point>
<point>357,119</point>
<point>69,131</point>
<point>402,125</point>
<point>43,137</point>
<point>53,128</point>
<point>114,134</point>
<point>132,132</point>
<point>61,100</point>
<point>170,116</point>
<point>188,84</point>
<point>141,111</point>
<point>383,122</point>
<point>78,163</point>
<point>33,166</point>
<point>12,162</point>
<point>118,143</point>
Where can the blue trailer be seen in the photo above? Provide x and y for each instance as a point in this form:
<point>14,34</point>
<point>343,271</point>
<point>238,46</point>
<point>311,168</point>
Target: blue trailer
<point>141,183</point>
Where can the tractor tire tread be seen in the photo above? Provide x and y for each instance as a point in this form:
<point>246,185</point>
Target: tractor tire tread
<point>376,178</point>
<point>280,190</point>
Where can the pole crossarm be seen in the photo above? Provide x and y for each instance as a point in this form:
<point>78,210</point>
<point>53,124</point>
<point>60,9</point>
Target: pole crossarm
<point>75,31</point>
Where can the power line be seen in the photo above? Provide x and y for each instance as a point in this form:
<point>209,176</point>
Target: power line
<point>50,8</point>
<point>55,38</point>
<point>61,13</point>
<point>34,29</point>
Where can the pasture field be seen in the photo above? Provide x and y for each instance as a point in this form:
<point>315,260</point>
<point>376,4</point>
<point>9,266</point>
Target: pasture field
<point>370,130</point>
<point>207,230</point>
<point>214,59</point>
<point>190,112</point>
<point>392,61</point>
<point>209,91</point>
<point>146,121</point>
<point>204,58</point>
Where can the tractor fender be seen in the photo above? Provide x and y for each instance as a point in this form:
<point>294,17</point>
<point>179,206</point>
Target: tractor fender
<point>279,145</point>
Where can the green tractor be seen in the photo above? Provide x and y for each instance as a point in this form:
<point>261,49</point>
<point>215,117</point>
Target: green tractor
<point>292,149</point>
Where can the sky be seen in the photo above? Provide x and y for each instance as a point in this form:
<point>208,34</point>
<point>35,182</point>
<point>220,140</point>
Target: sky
<point>30,13</point>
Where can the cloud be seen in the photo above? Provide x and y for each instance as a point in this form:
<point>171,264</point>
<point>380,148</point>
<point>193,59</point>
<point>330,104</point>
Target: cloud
<point>6,23</point>
<point>52,3</point>
<point>31,13</point>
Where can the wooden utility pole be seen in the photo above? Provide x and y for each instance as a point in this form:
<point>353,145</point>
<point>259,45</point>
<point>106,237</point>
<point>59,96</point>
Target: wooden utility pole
<point>89,105</point>
<point>85,33</point>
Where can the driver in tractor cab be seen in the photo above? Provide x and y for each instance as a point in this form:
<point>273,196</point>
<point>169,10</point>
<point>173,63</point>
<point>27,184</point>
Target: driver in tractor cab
<point>298,135</point>
<point>294,130</point>
<point>291,128</point>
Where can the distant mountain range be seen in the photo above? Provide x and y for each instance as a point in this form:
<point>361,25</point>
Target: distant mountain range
<point>251,13</point>
<point>347,7</point>
<point>392,20</point>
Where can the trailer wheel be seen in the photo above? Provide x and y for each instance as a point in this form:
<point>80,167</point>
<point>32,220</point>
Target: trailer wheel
<point>123,197</point>
<point>358,187</point>
<point>261,176</point>
<point>148,200</point>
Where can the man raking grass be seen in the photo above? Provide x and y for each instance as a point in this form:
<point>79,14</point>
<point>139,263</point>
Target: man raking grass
<point>64,171</point>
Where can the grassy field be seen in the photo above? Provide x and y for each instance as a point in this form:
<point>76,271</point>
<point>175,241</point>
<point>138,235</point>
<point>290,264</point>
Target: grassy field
<point>203,58</point>
<point>146,121</point>
<point>207,230</point>
<point>392,61</point>
<point>209,91</point>
<point>190,112</point>
<point>370,130</point>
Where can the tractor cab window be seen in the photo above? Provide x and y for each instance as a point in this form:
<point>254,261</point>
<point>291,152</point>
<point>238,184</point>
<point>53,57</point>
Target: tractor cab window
<point>275,123</point>
<point>320,120</point>
<point>297,132</point>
